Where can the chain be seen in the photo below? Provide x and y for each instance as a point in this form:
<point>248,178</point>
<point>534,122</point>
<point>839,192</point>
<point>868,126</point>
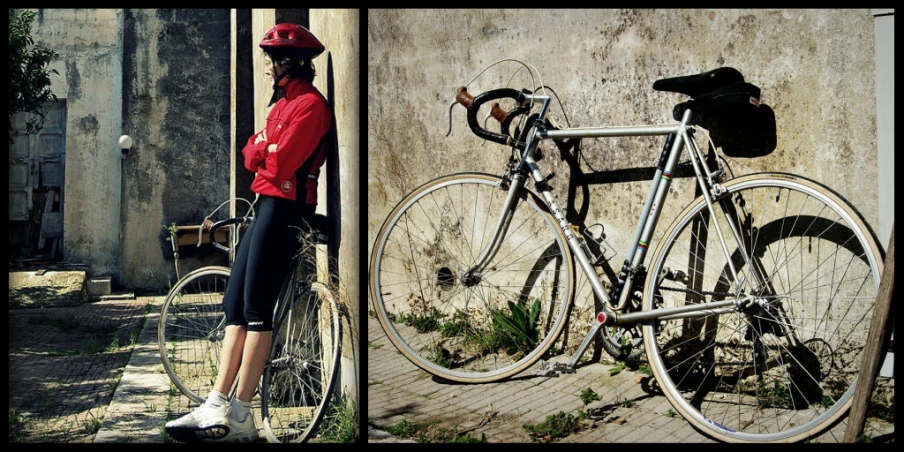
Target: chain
<point>698,292</point>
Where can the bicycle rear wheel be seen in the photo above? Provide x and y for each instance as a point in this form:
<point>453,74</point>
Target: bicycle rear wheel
<point>782,366</point>
<point>481,328</point>
<point>190,331</point>
<point>298,382</point>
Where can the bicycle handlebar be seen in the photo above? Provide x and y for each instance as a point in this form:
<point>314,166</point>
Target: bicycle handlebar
<point>512,114</point>
<point>473,104</point>
<point>319,228</point>
<point>219,224</point>
<point>466,99</point>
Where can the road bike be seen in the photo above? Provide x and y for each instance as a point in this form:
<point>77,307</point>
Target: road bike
<point>297,385</point>
<point>752,310</point>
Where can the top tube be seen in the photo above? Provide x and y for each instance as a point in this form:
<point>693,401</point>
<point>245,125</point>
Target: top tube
<point>593,132</point>
<point>620,131</point>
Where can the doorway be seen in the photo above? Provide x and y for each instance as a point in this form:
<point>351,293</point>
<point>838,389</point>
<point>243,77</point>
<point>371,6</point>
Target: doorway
<point>36,182</point>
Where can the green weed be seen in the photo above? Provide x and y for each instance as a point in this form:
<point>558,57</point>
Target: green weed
<point>91,426</point>
<point>588,395</point>
<point>438,355</point>
<point>776,396</point>
<point>557,425</point>
<point>18,424</point>
<point>423,323</point>
<point>341,424</point>
<point>518,331</point>
<point>404,429</point>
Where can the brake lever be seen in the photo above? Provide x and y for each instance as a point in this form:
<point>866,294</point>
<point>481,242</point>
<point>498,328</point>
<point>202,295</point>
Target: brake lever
<point>450,117</point>
<point>485,119</point>
<point>452,105</point>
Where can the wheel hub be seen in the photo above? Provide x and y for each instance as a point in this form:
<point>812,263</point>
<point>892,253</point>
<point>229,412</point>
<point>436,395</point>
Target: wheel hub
<point>471,279</point>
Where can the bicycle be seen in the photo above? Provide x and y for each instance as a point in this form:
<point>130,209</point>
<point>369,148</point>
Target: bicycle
<point>752,314</point>
<point>297,385</point>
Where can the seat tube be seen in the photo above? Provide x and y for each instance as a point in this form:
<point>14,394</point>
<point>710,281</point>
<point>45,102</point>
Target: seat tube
<point>650,215</point>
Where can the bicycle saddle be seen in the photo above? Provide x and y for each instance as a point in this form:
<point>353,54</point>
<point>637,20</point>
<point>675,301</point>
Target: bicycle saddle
<point>696,85</point>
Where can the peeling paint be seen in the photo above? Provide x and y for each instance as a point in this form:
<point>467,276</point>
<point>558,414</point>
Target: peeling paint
<point>88,125</point>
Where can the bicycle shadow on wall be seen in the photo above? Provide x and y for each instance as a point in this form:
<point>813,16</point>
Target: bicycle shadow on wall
<point>778,342</point>
<point>749,133</point>
<point>778,339</point>
<point>333,188</point>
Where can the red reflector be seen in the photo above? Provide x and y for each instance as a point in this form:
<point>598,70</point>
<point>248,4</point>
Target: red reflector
<point>601,317</point>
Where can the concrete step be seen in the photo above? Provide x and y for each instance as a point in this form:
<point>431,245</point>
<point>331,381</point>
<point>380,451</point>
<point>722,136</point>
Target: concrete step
<point>46,288</point>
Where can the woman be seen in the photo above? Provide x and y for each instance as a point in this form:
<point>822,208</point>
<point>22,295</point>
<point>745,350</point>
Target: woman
<point>287,156</point>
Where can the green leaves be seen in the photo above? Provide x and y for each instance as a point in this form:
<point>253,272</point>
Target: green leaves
<point>589,395</point>
<point>29,76</point>
<point>519,330</point>
<point>557,425</point>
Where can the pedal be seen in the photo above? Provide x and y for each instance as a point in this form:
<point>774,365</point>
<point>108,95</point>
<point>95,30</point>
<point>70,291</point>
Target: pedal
<point>551,369</point>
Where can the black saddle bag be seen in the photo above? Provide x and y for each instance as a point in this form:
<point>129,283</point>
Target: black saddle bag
<point>736,120</point>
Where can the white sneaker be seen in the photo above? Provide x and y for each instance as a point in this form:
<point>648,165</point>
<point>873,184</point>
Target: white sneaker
<point>205,422</point>
<point>243,431</point>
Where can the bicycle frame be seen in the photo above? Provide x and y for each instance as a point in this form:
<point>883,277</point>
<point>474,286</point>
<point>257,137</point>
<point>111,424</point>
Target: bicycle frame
<point>678,136</point>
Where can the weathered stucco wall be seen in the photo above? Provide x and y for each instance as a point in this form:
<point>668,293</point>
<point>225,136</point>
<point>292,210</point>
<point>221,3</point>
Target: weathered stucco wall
<point>162,77</point>
<point>176,97</point>
<point>338,77</point>
<point>89,42</point>
<point>816,69</point>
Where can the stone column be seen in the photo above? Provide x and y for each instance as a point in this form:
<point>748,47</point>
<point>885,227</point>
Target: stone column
<point>338,79</point>
<point>241,108</point>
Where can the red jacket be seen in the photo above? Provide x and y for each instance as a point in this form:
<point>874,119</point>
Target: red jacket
<point>296,124</point>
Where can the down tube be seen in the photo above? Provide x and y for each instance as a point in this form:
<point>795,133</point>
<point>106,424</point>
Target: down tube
<point>574,242</point>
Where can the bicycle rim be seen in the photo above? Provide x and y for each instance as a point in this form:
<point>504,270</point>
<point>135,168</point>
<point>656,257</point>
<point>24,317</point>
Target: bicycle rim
<point>491,326</point>
<point>300,377</point>
<point>784,367</point>
<point>190,331</point>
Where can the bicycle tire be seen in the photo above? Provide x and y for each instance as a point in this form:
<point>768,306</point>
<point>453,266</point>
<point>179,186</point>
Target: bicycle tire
<point>783,368</point>
<point>450,338</point>
<point>191,328</point>
<point>298,383</point>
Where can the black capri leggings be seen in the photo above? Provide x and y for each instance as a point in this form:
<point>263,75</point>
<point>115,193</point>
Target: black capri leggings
<point>262,262</point>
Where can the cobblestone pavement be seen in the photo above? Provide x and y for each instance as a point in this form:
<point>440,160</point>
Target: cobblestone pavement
<point>629,410</point>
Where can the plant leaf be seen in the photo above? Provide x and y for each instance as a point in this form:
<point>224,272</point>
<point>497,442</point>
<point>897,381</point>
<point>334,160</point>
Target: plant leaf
<point>518,316</point>
<point>616,370</point>
<point>534,314</point>
<point>508,325</point>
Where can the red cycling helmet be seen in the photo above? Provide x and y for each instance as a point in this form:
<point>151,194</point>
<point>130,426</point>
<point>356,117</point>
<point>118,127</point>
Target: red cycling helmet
<point>292,36</point>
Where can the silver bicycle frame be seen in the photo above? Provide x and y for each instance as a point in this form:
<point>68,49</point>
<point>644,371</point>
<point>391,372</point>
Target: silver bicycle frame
<point>649,217</point>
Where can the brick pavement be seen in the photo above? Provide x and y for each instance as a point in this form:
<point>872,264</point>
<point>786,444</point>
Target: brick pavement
<point>60,385</point>
<point>65,364</point>
<point>398,390</point>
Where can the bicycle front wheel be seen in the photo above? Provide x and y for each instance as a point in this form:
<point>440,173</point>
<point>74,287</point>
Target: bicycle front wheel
<point>781,363</point>
<point>190,331</point>
<point>298,382</point>
<point>478,327</point>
